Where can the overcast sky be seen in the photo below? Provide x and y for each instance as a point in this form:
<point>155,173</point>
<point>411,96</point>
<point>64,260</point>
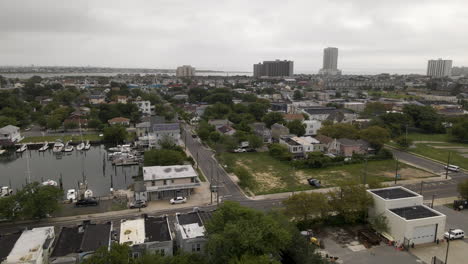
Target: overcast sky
<point>232,35</point>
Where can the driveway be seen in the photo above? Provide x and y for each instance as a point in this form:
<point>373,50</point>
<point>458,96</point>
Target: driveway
<point>455,219</point>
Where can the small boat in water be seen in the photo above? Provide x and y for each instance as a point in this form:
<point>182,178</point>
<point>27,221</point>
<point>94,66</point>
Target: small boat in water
<point>68,147</point>
<point>44,147</point>
<point>50,183</point>
<point>22,148</point>
<point>71,195</point>
<point>80,146</point>
<point>5,191</point>
<point>58,146</point>
<point>87,145</point>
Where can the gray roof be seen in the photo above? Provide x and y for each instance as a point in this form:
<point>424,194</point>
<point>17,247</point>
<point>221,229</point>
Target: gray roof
<point>95,236</point>
<point>157,229</point>
<point>8,129</point>
<point>7,242</point>
<point>143,125</point>
<point>393,193</point>
<point>166,127</point>
<point>414,212</point>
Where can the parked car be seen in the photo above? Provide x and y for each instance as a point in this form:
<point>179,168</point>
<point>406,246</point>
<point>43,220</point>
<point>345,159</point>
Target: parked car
<point>137,204</point>
<point>239,150</point>
<point>87,202</point>
<point>451,167</point>
<point>314,182</point>
<point>454,234</point>
<point>178,200</point>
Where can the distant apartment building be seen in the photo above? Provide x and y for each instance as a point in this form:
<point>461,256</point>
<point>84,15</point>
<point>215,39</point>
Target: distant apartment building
<point>330,62</point>
<point>439,68</point>
<point>276,68</point>
<point>185,71</point>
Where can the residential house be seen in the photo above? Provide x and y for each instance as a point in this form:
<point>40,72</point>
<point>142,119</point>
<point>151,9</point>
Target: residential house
<point>76,242</point>
<point>301,146</point>
<point>312,126</point>
<point>260,129</point>
<point>32,247</point>
<point>165,182</point>
<point>220,122</point>
<point>348,147</point>
<point>226,130</point>
<point>119,121</point>
<point>330,113</point>
<point>328,143</point>
<point>190,231</point>
<point>147,235</point>
<point>122,99</point>
<point>97,99</point>
<point>9,135</point>
<point>292,117</point>
<point>166,131</point>
<point>145,107</point>
<point>278,130</point>
<point>410,222</point>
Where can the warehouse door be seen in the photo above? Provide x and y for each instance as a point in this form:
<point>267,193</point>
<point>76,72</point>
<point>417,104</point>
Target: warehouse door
<point>424,234</point>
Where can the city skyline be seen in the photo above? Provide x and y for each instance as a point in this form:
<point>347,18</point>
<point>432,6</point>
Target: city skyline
<point>390,37</point>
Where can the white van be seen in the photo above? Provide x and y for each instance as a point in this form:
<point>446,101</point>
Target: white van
<point>451,167</point>
<point>455,234</point>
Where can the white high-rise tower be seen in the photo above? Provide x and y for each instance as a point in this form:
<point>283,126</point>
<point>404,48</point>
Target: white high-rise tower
<point>330,62</point>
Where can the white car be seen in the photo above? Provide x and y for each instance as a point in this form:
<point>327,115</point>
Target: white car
<point>240,150</point>
<point>451,167</point>
<point>178,200</point>
<point>455,234</point>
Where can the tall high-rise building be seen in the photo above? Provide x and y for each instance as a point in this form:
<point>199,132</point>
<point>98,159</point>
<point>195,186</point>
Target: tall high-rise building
<point>276,68</point>
<point>330,62</point>
<point>185,71</point>
<point>439,68</point>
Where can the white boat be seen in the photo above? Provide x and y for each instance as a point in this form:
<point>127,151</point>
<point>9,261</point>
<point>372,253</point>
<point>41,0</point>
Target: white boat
<point>88,194</point>
<point>68,147</point>
<point>2,151</point>
<point>5,191</point>
<point>21,149</point>
<point>80,146</point>
<point>87,145</point>
<point>71,194</point>
<point>58,146</point>
<point>50,183</point>
<point>116,149</point>
<point>44,147</point>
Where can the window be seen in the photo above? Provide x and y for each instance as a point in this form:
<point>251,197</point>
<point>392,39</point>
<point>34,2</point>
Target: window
<point>136,254</point>
<point>165,182</point>
<point>192,179</point>
<point>198,247</point>
<point>153,183</point>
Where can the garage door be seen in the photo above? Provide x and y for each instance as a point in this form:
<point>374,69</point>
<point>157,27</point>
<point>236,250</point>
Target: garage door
<point>423,234</point>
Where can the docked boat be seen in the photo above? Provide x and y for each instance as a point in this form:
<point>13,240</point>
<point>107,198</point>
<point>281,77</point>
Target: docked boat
<point>68,147</point>
<point>71,195</point>
<point>80,146</point>
<point>50,183</point>
<point>58,146</point>
<point>22,148</point>
<point>5,191</point>
<point>87,145</point>
<point>44,147</point>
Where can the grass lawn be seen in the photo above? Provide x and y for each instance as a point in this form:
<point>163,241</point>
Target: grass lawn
<point>273,176</point>
<point>91,137</point>
<point>429,137</point>
<point>441,152</point>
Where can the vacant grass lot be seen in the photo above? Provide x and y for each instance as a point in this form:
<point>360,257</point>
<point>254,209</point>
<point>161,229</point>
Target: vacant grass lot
<point>273,176</point>
<point>91,137</point>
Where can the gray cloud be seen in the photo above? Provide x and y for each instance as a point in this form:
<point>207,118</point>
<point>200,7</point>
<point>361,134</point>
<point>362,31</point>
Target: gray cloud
<point>231,35</point>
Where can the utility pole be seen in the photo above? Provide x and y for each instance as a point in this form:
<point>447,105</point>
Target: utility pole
<point>197,159</point>
<point>365,172</point>
<point>185,132</point>
<point>432,203</point>
<point>420,192</point>
<point>217,187</point>
<point>211,183</point>
<point>396,170</point>
<point>447,167</point>
<point>448,245</point>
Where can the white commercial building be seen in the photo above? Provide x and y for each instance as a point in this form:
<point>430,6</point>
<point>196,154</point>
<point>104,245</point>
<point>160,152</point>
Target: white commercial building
<point>439,68</point>
<point>185,71</point>
<point>32,247</point>
<point>409,221</point>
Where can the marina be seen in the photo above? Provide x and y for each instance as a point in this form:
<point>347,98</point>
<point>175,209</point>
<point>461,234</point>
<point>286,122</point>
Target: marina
<point>67,169</point>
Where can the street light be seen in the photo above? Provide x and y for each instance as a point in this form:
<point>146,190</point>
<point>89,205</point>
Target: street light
<point>448,244</point>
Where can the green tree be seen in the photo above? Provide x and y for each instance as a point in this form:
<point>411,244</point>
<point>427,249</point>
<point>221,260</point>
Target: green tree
<point>272,118</point>
<point>340,130</point>
<point>303,206</point>
<point>53,123</point>
<point>94,123</point>
<point>296,127</point>
<point>163,157</point>
<point>424,117</point>
<point>460,131</point>
<point>118,254</point>
<point>279,152</point>
<point>115,134</point>
<point>252,259</point>
<point>255,141</point>
<point>258,110</point>
<point>298,95</point>
<point>403,142</point>
<point>463,189</point>
<point>8,208</point>
<point>379,223</point>
<point>234,231</point>
<point>351,202</point>
<point>376,136</point>
<point>71,125</point>
<point>37,201</point>
<point>374,109</point>
<point>215,136</point>
<point>7,120</point>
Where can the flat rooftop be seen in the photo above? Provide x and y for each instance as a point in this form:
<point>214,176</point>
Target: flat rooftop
<point>393,193</point>
<point>190,225</point>
<point>157,229</point>
<point>7,243</point>
<point>414,212</point>
<point>168,172</point>
<point>68,242</point>
<point>29,246</point>
<point>132,232</point>
<point>95,236</point>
